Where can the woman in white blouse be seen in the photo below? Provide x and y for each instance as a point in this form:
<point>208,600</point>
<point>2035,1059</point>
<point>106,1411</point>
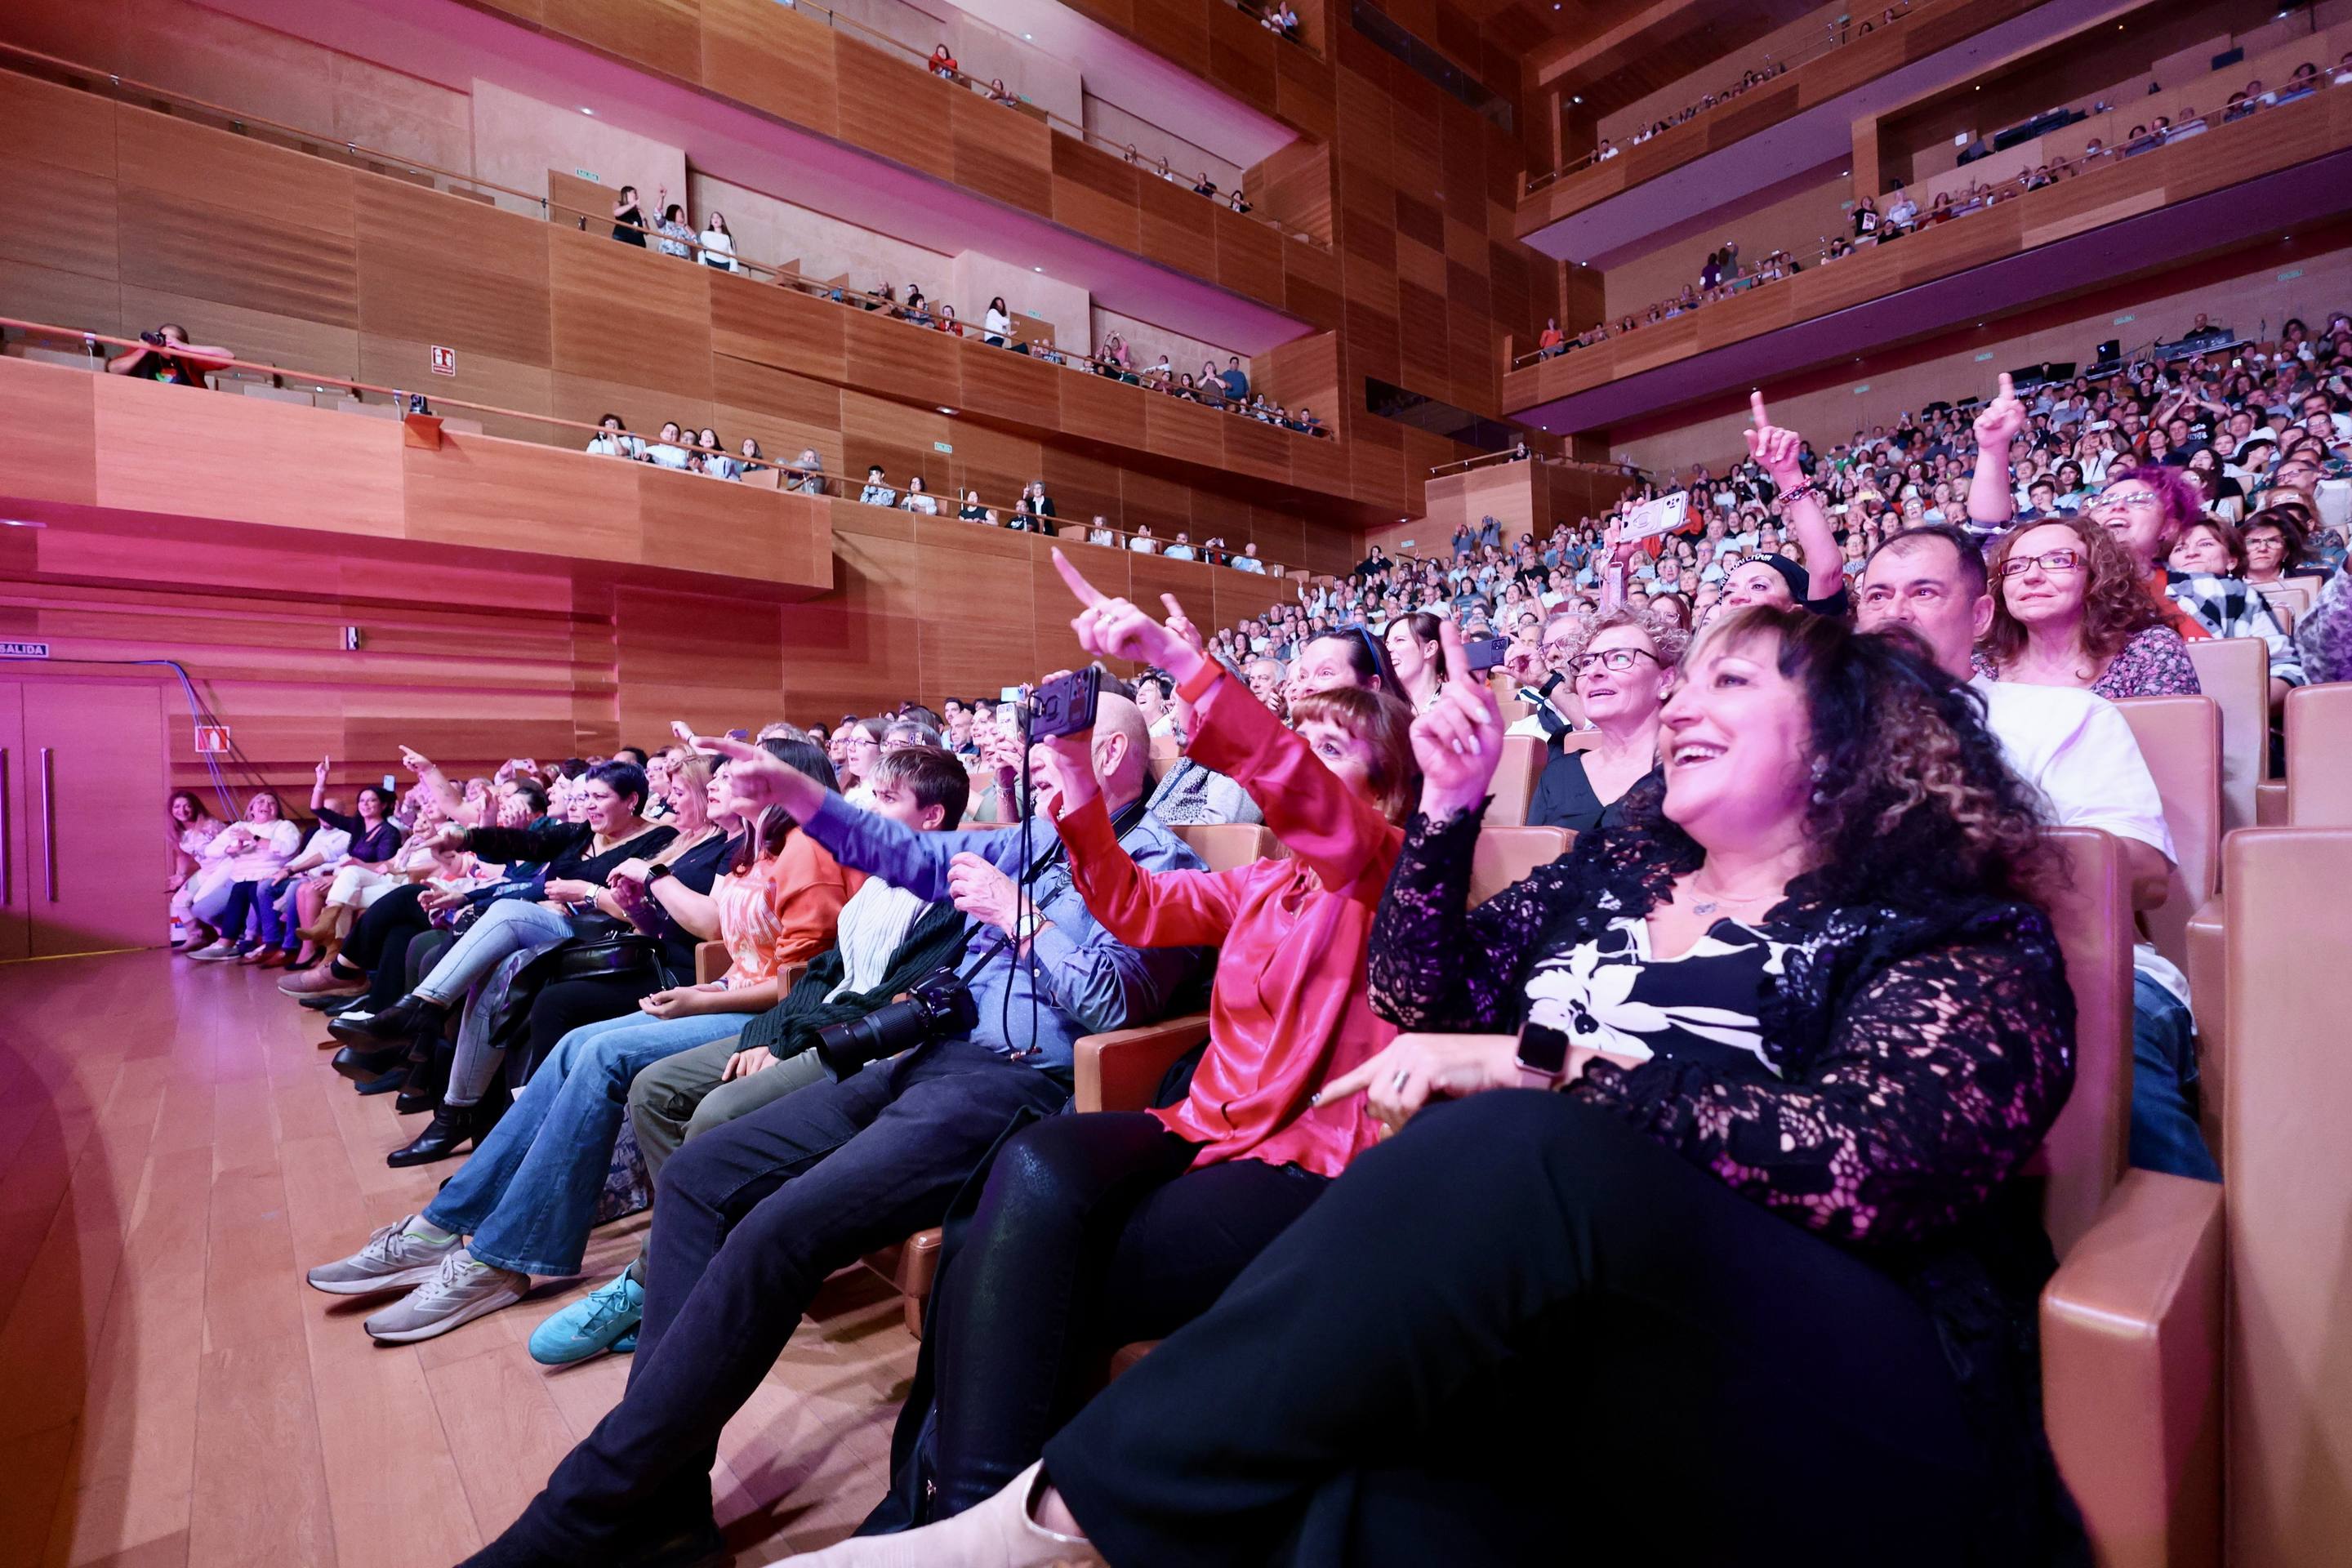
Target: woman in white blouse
<point>918,499</point>
<point>996,327</point>
<point>718,244</point>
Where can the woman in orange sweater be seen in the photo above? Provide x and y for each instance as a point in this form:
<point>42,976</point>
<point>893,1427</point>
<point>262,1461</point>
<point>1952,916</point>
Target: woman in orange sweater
<point>1097,1230</point>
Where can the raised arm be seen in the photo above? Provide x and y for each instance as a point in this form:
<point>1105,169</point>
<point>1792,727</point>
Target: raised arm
<point>1940,1081</point>
<point>1992,499</point>
<point>1779,453</point>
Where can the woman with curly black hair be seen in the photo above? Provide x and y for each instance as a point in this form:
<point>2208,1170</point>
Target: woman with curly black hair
<point>1725,1259</point>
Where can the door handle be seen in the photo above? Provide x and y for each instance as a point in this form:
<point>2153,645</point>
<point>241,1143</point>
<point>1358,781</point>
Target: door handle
<point>50,816</point>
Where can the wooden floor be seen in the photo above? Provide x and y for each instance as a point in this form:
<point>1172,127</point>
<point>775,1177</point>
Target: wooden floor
<point>173,1152</point>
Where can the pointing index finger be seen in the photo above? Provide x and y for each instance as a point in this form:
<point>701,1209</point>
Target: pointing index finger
<point>1449,640</point>
<point>1175,610</point>
<point>1756,408</point>
<point>1087,594</point>
<point>2007,389</point>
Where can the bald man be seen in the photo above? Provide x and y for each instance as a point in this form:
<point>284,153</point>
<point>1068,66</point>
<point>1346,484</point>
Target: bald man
<point>751,1217</point>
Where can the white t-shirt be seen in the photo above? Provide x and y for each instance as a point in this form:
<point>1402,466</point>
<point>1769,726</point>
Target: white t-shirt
<point>2078,750</point>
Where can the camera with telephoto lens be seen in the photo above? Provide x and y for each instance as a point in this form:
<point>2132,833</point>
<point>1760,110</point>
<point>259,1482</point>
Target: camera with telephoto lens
<point>938,1006</point>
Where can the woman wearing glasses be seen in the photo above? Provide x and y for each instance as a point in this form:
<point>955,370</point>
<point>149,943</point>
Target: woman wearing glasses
<point>2070,611</point>
<point>1621,674</point>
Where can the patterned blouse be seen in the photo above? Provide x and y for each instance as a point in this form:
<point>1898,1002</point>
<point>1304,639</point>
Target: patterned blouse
<point>2155,663</point>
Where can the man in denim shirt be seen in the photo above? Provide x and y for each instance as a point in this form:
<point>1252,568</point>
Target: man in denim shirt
<point>751,1217</point>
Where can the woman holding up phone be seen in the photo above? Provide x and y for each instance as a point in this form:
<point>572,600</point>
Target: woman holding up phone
<point>1097,1230</point>
<point>1724,1260</point>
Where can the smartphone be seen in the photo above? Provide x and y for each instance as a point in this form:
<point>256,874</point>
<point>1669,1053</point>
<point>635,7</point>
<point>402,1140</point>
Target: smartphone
<point>1486,653</point>
<point>391,785</point>
<point>1065,704</point>
<point>1008,694</point>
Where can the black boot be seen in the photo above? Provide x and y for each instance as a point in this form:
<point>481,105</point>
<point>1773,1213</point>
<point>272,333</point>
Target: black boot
<point>360,1066</point>
<point>426,1080</point>
<point>410,1016</point>
<point>451,1127</point>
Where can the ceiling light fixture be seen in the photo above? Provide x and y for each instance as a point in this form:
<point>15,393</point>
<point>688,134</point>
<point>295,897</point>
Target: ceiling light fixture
<point>585,110</point>
<point>948,412</point>
<point>1036,270</point>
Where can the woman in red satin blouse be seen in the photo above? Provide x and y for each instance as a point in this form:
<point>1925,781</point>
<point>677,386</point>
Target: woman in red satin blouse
<point>1097,1230</point>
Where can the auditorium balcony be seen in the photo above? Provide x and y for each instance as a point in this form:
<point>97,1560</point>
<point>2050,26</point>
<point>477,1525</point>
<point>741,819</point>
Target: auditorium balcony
<point>318,256</point>
<point>2226,179</point>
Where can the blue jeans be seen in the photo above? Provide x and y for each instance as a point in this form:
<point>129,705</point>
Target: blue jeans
<point>2164,1132</point>
<point>527,1195</point>
<point>508,927</point>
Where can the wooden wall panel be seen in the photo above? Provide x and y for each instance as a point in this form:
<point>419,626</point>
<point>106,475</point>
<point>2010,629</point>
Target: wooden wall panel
<point>1173,233</point>
<point>215,217</point>
<point>628,315</point>
<point>765,322</point>
<point>786,412</point>
<point>660,34</point>
<point>542,500</point>
<point>1094,193</point>
<point>1259,450</point>
<point>52,424</point>
<point>896,109</point>
<point>441,269</point>
<point>58,160</point>
<point>480,378</point>
<point>999,466</point>
<point>889,357</point>
<point>1249,254</point>
<point>714,662</point>
<point>978,590</point>
<point>1001,152</point>
<point>1185,431</point>
<point>760,53</point>
<point>1014,387</point>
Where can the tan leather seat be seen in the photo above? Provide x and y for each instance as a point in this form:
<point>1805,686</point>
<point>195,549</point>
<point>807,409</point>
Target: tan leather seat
<point>2319,756</point>
<point>2236,673</point>
<point>1222,845</point>
<point>2287,1187</point>
<point>1515,780</point>
<point>1506,854</point>
<point>2180,737</point>
<point>2131,1322</point>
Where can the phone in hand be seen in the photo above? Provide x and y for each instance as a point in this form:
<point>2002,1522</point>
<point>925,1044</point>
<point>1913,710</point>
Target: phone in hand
<point>391,785</point>
<point>1065,704</point>
<point>1486,653</point>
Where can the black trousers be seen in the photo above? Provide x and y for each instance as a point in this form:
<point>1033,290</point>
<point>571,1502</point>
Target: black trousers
<point>562,1005</point>
<point>1092,1232</point>
<point>379,940</point>
<point>1520,1332</point>
<point>749,1219</point>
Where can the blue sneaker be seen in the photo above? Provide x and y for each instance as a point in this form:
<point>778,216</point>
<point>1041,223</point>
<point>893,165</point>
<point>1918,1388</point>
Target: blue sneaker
<point>626,1344</point>
<point>595,1323</point>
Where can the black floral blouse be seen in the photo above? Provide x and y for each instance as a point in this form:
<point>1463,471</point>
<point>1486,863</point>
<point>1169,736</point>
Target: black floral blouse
<point>1921,1056</point>
<point>1917,1055</point>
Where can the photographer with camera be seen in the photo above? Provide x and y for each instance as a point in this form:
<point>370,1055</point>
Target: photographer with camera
<point>169,356</point>
<point>749,1219</point>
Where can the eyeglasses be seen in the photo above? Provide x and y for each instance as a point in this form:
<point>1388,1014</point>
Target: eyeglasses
<point>2123,498</point>
<point>1617,658</point>
<point>2048,560</point>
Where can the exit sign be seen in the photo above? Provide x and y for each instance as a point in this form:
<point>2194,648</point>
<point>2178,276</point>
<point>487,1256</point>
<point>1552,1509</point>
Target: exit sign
<point>941,446</point>
<point>24,650</point>
<point>1984,356</point>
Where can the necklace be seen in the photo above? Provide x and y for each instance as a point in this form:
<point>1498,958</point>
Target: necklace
<point>1708,906</point>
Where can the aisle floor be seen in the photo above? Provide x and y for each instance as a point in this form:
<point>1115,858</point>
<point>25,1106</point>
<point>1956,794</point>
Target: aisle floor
<point>173,1152</point>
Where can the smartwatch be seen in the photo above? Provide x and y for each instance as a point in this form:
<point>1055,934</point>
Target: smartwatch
<point>1543,1051</point>
<point>657,871</point>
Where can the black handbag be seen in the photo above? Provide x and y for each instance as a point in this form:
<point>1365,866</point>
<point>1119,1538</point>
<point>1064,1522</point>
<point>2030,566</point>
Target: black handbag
<point>599,948</point>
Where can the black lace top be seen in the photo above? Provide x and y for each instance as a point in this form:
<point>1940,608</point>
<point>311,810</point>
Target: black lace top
<point>1917,1054</point>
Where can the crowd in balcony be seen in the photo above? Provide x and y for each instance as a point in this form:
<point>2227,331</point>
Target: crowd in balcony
<point>1723,275</point>
<point>799,986</point>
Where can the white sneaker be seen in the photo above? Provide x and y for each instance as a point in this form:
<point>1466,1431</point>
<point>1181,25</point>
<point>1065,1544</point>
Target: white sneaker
<point>997,1533</point>
<point>394,1256</point>
<point>462,1290</point>
<point>220,949</point>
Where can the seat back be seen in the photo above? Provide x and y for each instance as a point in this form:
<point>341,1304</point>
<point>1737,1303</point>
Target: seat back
<point>1515,780</point>
<point>2293,595</point>
<point>2180,737</point>
<point>2319,755</point>
<point>1506,854</point>
<point>1222,845</point>
<point>2287,1196</point>
<point>2090,910</point>
<point>1165,749</point>
<point>2236,673</point>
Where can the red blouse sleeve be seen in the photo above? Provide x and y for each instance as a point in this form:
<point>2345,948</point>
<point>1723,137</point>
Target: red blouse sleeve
<point>1350,844</point>
<point>1144,909</point>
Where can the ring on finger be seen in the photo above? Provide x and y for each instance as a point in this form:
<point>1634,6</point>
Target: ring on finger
<point>1401,1076</point>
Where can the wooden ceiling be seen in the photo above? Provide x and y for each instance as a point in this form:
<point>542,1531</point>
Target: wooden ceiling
<point>1661,41</point>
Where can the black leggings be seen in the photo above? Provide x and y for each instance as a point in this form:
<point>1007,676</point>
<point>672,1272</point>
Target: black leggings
<point>562,1005</point>
<point>1520,1331</point>
<point>1092,1232</point>
<point>378,944</point>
